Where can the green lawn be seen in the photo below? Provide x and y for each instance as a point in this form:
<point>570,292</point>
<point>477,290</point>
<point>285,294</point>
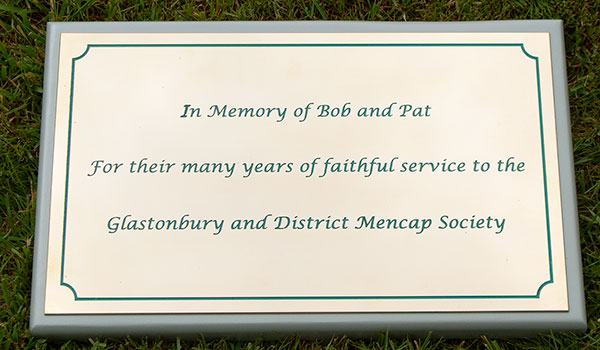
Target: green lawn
<point>22,34</point>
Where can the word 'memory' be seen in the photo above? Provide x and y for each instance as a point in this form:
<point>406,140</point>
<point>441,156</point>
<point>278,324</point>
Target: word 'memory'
<point>247,112</point>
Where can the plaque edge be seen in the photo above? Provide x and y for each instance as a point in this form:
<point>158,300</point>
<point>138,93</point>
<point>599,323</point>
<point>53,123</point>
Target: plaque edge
<point>248,326</point>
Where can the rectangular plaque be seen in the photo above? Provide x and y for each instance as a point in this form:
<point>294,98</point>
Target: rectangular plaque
<point>312,178</point>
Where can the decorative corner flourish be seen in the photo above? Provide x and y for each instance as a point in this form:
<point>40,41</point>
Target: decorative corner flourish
<point>71,288</point>
<point>539,291</point>
<point>527,53</point>
<point>87,49</point>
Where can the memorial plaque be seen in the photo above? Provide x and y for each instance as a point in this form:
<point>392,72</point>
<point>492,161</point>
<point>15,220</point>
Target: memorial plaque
<point>314,178</point>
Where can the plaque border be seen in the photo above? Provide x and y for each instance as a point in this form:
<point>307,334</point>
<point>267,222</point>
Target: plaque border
<point>314,297</point>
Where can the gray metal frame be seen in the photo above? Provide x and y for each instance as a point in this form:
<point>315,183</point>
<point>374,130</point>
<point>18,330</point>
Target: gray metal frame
<point>310,325</point>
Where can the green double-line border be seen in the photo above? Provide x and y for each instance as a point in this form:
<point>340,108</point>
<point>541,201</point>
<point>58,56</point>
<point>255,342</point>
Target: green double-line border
<point>357,297</point>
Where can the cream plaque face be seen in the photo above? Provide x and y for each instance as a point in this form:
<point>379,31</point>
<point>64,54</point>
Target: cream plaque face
<point>270,173</point>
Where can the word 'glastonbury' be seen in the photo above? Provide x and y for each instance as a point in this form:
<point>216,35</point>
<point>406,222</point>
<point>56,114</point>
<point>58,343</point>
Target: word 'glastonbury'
<point>128,223</point>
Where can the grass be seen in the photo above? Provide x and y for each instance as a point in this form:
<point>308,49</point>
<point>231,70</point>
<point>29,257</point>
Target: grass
<point>22,35</point>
